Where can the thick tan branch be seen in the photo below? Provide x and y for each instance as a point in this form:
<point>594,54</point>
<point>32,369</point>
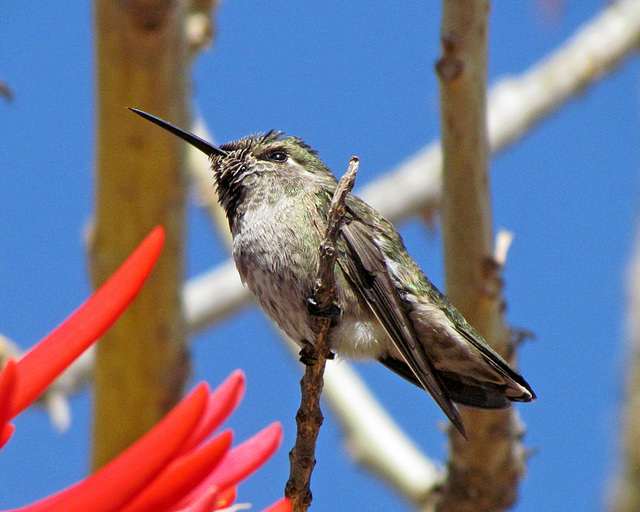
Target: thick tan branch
<point>483,473</point>
<point>142,362</point>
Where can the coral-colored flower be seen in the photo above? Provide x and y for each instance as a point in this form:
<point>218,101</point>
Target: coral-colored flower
<point>282,505</point>
<point>175,466</point>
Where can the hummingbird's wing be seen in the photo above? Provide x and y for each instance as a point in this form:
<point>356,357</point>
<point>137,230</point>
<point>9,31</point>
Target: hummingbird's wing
<point>365,267</point>
<point>479,377</point>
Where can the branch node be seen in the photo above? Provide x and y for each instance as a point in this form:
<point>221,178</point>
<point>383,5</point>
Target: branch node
<point>449,68</point>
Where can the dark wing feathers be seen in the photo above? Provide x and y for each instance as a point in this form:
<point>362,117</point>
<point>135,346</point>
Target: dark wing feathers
<point>365,267</point>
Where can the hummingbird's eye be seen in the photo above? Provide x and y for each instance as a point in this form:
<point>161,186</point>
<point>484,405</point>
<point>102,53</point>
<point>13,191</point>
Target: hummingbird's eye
<point>278,156</point>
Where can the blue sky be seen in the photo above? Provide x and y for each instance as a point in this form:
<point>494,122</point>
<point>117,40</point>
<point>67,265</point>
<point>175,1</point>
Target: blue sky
<point>350,79</point>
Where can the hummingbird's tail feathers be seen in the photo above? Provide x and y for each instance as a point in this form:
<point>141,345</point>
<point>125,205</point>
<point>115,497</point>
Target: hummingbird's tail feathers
<point>481,395</point>
<point>468,393</point>
<point>464,390</point>
<point>514,387</point>
<point>473,393</point>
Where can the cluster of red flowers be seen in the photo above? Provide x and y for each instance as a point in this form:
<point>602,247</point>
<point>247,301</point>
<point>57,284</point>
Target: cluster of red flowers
<point>176,466</point>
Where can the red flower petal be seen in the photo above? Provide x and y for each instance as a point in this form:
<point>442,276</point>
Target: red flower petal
<point>45,361</point>
<point>124,477</point>
<point>246,458</point>
<point>222,402</point>
<point>6,433</point>
<point>283,505</point>
<point>181,476</point>
<point>240,462</point>
<point>8,378</point>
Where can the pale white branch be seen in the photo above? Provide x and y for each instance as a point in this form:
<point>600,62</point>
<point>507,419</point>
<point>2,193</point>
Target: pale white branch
<point>596,49</point>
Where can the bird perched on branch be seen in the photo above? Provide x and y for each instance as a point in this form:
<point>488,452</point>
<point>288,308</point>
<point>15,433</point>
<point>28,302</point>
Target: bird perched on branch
<point>276,193</point>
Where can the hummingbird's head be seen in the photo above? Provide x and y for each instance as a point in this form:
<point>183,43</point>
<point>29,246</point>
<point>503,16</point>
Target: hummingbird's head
<point>263,165</point>
<point>266,165</point>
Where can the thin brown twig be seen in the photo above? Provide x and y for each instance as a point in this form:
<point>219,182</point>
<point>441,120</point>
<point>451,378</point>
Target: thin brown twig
<point>309,417</point>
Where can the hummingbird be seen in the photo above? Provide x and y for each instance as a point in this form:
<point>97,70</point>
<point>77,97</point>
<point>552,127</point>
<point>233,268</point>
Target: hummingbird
<point>276,193</point>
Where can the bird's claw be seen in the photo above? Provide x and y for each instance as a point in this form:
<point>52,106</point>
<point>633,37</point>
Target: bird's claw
<point>308,355</point>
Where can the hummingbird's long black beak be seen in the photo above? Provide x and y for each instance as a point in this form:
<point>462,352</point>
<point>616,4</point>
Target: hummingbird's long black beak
<point>201,144</point>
